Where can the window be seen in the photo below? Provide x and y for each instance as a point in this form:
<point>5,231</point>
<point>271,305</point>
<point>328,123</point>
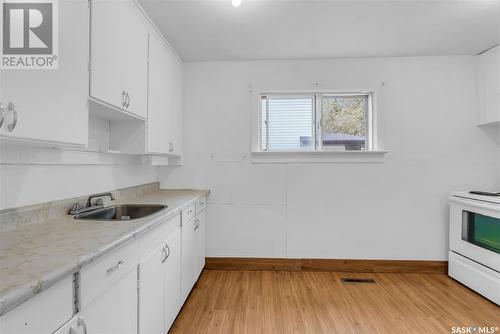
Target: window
<point>316,122</point>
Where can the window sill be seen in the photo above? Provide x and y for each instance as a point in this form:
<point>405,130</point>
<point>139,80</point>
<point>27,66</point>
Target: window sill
<point>280,157</point>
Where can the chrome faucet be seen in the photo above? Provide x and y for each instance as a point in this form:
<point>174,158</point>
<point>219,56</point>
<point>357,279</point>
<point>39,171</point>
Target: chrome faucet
<point>89,200</point>
<point>76,209</point>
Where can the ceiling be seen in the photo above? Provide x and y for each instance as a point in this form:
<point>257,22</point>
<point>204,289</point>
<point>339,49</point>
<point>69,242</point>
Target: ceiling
<point>213,30</point>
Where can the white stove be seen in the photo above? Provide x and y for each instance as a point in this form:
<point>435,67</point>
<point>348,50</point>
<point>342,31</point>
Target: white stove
<point>474,254</point>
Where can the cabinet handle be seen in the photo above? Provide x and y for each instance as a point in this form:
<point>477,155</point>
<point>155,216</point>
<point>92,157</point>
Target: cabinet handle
<point>113,268</point>
<point>166,253</point>
<point>12,107</point>
<point>128,101</point>
<point>124,99</point>
<point>81,323</point>
<point>197,224</point>
<point>2,117</point>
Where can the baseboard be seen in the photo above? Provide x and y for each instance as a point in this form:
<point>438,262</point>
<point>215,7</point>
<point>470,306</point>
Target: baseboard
<point>359,266</point>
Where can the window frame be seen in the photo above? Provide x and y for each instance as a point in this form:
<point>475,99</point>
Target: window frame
<point>317,111</point>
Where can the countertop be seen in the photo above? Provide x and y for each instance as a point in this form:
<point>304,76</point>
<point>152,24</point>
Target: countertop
<point>34,257</point>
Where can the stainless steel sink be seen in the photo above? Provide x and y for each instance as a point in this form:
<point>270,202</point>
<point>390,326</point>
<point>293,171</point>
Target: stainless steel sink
<point>121,212</point>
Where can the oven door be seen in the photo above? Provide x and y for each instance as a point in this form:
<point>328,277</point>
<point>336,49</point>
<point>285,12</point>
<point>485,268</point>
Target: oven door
<point>475,231</point>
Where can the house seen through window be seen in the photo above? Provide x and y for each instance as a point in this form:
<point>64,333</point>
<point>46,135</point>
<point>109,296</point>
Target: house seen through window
<point>321,122</point>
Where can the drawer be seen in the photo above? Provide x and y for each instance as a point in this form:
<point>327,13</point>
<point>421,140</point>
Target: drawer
<point>201,204</point>
<point>43,313</point>
<point>99,275</point>
<point>153,238</point>
<point>188,214</point>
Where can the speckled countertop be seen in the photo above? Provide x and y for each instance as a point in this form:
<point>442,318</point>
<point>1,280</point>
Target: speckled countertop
<point>34,257</point>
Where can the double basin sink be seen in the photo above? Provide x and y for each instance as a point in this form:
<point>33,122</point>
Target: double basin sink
<point>121,212</point>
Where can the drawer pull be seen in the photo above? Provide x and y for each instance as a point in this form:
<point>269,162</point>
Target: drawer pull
<point>166,253</point>
<point>11,126</point>
<point>124,98</point>
<point>113,268</point>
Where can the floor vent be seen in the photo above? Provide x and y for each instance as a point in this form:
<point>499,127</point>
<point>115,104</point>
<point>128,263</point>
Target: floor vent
<point>358,280</point>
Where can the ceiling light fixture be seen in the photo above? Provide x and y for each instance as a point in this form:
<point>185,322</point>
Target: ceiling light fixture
<point>236,3</point>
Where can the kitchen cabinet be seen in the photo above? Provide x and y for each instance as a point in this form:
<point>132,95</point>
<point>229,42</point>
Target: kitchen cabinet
<point>139,287</point>
<point>51,105</point>
<point>172,293</point>
<point>200,244</point>
<point>164,123</point>
<point>115,311</point>
<point>160,279</point>
<point>108,291</point>
<point>151,292</point>
<point>193,250</point>
<point>119,55</point>
<point>488,72</point>
<point>43,313</point>
<point>189,237</point>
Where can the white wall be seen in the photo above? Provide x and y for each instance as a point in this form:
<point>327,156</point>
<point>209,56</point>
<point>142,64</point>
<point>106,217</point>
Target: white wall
<point>394,210</point>
<point>36,175</point>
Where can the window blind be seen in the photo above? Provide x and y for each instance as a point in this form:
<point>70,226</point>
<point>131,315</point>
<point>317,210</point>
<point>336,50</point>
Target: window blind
<point>287,123</point>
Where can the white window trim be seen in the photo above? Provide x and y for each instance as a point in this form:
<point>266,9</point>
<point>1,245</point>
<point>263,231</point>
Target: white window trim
<point>375,154</point>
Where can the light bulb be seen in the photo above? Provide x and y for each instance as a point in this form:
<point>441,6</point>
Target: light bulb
<point>236,3</point>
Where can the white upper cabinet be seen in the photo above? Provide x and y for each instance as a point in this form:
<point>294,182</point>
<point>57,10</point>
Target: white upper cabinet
<point>164,122</point>
<point>488,70</point>
<point>119,52</point>
<point>51,105</point>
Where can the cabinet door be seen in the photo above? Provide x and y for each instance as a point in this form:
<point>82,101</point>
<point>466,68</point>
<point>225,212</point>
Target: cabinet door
<point>165,98</point>
<point>115,311</point>
<point>52,104</point>
<point>43,313</point>
<point>188,234</point>
<point>172,279</point>
<point>177,106</point>
<point>119,55</point>
<point>488,86</point>
<point>159,120</point>
<point>200,243</point>
<point>151,293</point>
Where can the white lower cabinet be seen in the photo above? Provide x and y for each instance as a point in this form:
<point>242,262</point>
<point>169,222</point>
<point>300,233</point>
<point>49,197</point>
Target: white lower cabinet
<point>193,252</point>
<point>188,257</point>
<point>43,313</point>
<point>138,288</point>
<point>172,291</point>
<point>160,284</point>
<point>151,292</point>
<point>115,311</point>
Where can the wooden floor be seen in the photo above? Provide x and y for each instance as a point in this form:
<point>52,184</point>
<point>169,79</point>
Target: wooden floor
<point>238,301</point>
